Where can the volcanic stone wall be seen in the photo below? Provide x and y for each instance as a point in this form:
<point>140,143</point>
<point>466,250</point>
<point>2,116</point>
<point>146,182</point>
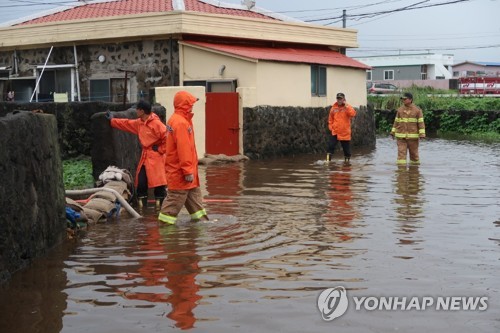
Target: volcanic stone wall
<point>32,215</point>
<point>113,147</point>
<point>278,131</point>
<point>146,64</point>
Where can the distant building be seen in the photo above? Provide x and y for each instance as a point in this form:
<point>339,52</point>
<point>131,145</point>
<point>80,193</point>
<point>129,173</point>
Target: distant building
<point>409,67</point>
<point>476,68</point>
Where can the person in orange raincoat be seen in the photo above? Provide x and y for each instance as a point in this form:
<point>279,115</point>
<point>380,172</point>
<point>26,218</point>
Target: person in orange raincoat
<point>181,163</point>
<point>339,124</point>
<point>152,135</point>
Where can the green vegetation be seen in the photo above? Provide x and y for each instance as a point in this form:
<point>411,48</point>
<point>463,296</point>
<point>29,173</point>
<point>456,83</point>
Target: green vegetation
<point>444,113</point>
<point>77,173</point>
<point>478,127</point>
<point>440,100</point>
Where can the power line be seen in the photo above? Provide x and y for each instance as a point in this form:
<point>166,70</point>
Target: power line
<point>413,39</point>
<point>384,12</point>
<point>28,3</point>
<point>439,48</point>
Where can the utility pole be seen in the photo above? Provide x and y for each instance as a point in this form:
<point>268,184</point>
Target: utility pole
<point>344,24</point>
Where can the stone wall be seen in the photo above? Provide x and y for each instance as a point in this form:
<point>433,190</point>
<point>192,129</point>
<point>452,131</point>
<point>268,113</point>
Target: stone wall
<point>73,122</point>
<point>32,216</point>
<point>276,131</point>
<point>111,146</point>
<point>147,64</point>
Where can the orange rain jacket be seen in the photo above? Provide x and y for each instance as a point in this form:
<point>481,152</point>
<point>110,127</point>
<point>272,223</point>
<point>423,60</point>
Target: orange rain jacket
<point>150,132</point>
<point>181,158</point>
<point>339,121</point>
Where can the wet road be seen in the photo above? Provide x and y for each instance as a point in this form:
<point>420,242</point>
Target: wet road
<point>287,229</point>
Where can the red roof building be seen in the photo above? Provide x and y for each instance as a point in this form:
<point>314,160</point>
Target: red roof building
<point>110,8</point>
<point>122,50</point>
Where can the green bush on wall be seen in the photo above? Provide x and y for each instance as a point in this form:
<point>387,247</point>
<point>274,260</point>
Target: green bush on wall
<point>77,173</point>
<point>444,112</point>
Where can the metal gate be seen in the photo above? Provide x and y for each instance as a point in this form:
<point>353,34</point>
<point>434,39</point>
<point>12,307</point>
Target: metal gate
<point>222,125</point>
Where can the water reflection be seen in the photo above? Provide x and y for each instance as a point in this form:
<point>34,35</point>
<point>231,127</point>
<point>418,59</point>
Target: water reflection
<point>408,202</point>
<point>341,210</point>
<point>34,301</point>
<point>288,228</point>
<point>177,271</point>
<point>223,185</point>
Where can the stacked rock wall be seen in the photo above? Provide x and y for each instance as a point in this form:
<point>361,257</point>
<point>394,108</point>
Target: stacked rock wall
<point>32,215</point>
<point>278,131</point>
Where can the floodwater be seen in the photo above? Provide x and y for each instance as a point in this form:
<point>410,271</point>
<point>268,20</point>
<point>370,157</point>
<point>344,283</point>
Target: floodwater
<point>286,230</point>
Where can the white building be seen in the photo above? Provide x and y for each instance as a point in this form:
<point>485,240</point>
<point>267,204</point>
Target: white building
<point>409,67</point>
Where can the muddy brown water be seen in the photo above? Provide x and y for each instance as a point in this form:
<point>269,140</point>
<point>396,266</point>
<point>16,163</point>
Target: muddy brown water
<point>286,230</point>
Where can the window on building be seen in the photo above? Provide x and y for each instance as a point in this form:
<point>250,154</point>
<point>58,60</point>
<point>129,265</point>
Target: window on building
<point>423,72</point>
<point>221,86</point>
<point>55,79</point>
<point>214,85</point>
<point>99,90</point>
<point>23,87</point>
<point>119,93</point>
<point>318,80</point>
<point>110,90</point>
<point>4,72</point>
<point>389,75</point>
<point>368,75</point>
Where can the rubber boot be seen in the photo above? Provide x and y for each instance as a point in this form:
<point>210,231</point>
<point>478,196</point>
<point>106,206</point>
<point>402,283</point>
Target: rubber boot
<point>328,157</point>
<point>347,159</point>
<point>142,203</point>
<point>158,203</point>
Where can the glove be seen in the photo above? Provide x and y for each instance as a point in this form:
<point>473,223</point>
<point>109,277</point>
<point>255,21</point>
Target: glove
<point>155,147</point>
<point>392,136</point>
<point>189,178</point>
<point>109,115</point>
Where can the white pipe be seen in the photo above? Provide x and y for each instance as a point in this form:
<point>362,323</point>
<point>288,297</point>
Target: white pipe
<point>118,196</point>
<point>43,69</point>
<point>77,75</point>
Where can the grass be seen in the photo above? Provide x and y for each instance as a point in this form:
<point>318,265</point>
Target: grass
<point>77,173</point>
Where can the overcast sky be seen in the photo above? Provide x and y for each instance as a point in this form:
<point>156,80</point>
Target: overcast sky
<point>468,29</point>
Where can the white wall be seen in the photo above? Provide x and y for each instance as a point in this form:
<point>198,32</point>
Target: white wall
<point>198,64</point>
<point>272,83</point>
<point>289,84</point>
<point>351,82</point>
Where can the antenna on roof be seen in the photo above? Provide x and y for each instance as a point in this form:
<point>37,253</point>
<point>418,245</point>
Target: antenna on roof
<point>248,3</point>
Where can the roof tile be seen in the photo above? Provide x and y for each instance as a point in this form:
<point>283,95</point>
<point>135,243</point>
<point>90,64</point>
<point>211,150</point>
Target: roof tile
<point>129,7</point>
<point>297,55</point>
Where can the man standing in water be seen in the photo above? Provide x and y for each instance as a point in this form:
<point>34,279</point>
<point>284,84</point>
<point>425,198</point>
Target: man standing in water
<point>408,129</point>
<point>339,124</point>
<point>181,163</point>
<point>152,135</point>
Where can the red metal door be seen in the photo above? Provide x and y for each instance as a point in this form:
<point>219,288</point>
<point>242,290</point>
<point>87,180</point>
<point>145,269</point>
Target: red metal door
<point>222,126</point>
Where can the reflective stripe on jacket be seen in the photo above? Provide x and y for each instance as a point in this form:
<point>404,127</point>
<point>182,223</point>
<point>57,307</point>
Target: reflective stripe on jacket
<point>181,158</point>
<point>409,123</point>
<point>339,121</point>
<point>150,132</point>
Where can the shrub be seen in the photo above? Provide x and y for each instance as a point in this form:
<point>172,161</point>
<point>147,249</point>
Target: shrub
<point>77,173</point>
